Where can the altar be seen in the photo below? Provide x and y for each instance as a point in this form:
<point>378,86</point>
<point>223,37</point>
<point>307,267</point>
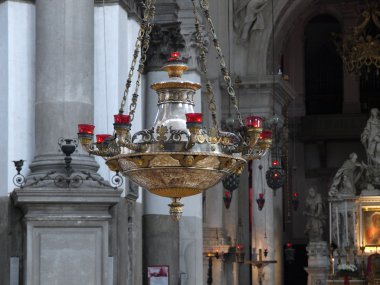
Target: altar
<point>341,282</point>
<point>353,248</point>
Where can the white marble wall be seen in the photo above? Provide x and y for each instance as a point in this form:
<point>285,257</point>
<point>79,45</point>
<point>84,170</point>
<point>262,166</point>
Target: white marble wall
<point>17,88</point>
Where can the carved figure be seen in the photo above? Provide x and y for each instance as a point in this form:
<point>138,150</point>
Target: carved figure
<point>370,138</point>
<point>346,177</point>
<point>314,215</point>
<point>248,17</point>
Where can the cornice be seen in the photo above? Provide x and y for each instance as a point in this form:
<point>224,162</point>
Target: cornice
<point>22,1</point>
<point>132,7</point>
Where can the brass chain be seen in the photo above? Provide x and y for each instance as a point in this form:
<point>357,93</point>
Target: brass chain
<point>202,55</point>
<point>225,72</point>
<point>148,17</point>
<point>150,9</point>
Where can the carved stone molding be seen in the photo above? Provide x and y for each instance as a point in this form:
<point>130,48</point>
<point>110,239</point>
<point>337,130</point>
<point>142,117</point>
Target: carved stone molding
<point>133,7</point>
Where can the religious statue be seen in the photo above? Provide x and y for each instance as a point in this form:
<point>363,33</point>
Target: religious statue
<point>370,138</point>
<point>248,17</point>
<point>347,176</point>
<point>314,215</point>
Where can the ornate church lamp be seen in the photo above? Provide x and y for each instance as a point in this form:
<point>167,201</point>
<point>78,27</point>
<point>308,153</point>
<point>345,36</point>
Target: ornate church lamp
<point>177,157</point>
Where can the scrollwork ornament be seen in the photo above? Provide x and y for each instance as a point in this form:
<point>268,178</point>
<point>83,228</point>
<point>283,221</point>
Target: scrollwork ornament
<point>117,180</point>
<point>19,180</point>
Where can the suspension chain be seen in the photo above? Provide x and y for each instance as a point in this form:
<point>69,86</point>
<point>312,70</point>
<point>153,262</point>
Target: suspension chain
<point>141,39</point>
<point>150,8</point>
<point>202,55</point>
<point>225,72</point>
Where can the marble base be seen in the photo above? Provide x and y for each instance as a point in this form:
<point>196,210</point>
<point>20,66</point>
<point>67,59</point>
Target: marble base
<point>66,235</point>
<point>318,263</point>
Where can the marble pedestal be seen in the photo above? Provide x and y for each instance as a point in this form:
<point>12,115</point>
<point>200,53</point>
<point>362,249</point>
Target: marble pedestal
<point>66,235</point>
<point>318,263</point>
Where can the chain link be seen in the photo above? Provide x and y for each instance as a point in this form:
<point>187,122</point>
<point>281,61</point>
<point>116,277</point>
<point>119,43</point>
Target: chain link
<point>225,72</point>
<point>202,55</point>
<point>150,8</point>
<point>144,29</point>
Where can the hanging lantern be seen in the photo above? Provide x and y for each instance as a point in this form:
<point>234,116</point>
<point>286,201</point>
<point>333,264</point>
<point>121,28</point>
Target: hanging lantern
<point>231,182</point>
<point>275,176</point>
<point>239,253</point>
<point>266,251</point>
<point>289,253</point>
<point>295,201</point>
<point>178,156</point>
<point>227,197</point>
<point>260,201</point>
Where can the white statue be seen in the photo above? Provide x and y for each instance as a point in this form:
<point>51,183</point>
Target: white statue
<point>248,17</point>
<point>314,215</point>
<point>370,138</point>
<point>346,177</point>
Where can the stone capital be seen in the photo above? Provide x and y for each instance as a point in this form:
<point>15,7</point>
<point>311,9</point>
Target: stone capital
<point>171,34</point>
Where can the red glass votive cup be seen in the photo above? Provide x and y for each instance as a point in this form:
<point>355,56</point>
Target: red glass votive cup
<point>194,118</point>
<point>254,122</point>
<point>266,134</point>
<point>101,137</point>
<point>174,56</point>
<point>122,119</point>
<point>86,129</point>
<point>261,195</point>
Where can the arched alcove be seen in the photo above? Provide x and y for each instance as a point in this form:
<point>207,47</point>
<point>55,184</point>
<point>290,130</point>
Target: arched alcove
<point>370,90</point>
<point>323,67</point>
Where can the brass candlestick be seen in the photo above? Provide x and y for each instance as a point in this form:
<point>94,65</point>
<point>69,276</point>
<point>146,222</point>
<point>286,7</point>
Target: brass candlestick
<point>363,273</point>
<point>355,253</point>
<point>339,251</point>
<point>347,248</point>
<point>332,273</point>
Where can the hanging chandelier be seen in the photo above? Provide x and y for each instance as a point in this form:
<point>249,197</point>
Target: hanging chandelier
<point>360,50</point>
<point>178,156</point>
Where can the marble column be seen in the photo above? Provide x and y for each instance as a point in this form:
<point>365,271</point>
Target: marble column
<point>178,245</point>
<point>264,222</point>
<point>66,229</point>
<point>64,80</point>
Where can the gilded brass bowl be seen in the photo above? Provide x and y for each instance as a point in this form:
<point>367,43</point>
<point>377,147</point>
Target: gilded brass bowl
<point>176,174</point>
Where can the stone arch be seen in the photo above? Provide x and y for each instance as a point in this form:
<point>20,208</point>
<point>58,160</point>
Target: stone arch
<point>288,15</point>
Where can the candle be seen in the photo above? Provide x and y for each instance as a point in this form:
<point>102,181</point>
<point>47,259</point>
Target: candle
<point>330,222</point>
<point>194,117</point>
<point>122,119</point>
<point>260,254</point>
<point>333,272</point>
<point>254,122</point>
<point>337,226</point>
<point>86,129</point>
<point>360,226</point>
<point>346,218</point>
